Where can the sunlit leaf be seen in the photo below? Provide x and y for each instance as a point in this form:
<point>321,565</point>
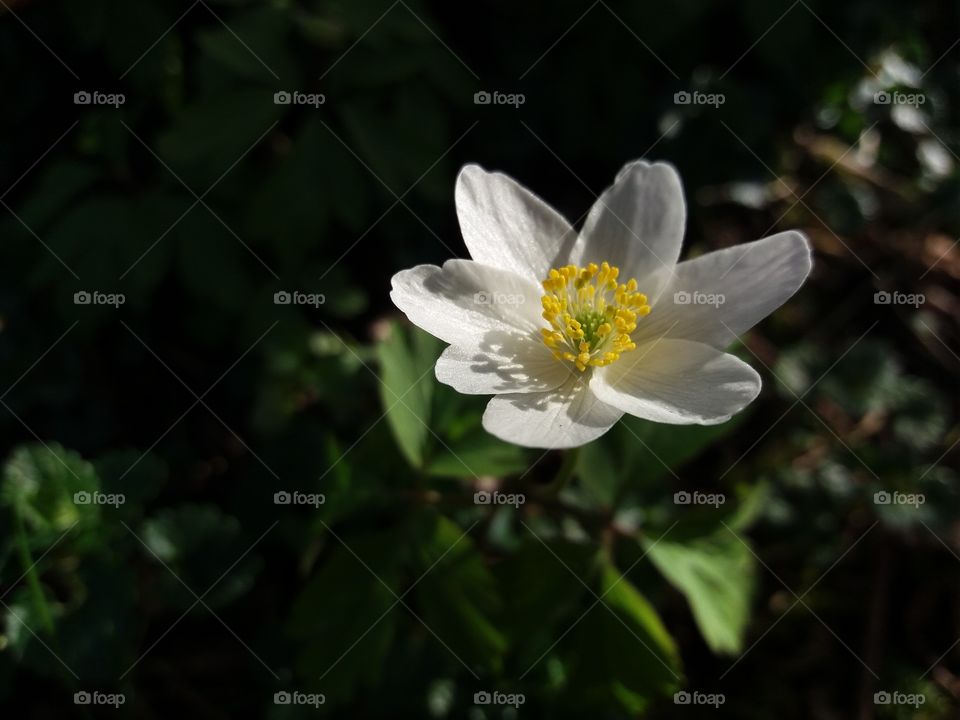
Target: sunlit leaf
<point>717,575</point>
<point>406,388</point>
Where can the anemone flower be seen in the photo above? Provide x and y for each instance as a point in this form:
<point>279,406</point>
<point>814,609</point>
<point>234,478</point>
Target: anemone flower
<point>568,331</point>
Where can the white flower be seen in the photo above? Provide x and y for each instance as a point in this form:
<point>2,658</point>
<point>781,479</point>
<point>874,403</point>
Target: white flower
<point>570,331</point>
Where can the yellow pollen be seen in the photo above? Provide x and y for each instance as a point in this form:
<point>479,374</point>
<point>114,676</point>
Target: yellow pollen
<point>591,315</point>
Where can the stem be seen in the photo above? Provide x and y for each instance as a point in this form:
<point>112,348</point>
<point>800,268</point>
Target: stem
<point>33,581</point>
<point>564,473</point>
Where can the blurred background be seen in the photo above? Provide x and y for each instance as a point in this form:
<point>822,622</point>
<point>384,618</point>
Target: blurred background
<point>212,502</point>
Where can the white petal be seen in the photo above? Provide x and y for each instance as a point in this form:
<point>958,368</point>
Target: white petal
<point>461,301</point>
<point>568,416</point>
<point>504,225</point>
<point>677,382</point>
<point>502,362</point>
<point>752,279</point>
<point>637,224</point>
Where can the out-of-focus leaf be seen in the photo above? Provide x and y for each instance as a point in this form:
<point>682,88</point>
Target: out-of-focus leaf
<point>400,136</point>
<point>98,636</point>
<point>406,388</point>
<point>921,417</point>
<point>138,476</point>
<point>865,379</point>
<point>42,483</point>
<point>56,187</point>
<point>214,264</point>
<point>198,543</point>
<point>640,454</point>
<point>254,45</point>
<point>206,139</point>
<point>20,616</point>
<point>717,574</point>
<point>536,613</point>
<point>623,647</point>
<point>343,621</point>
<point>479,453</point>
<point>458,593</point>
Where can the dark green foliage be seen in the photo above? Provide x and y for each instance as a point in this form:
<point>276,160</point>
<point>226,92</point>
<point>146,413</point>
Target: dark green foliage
<point>142,549</point>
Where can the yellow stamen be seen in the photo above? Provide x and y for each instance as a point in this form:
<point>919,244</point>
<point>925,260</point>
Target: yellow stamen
<point>591,316</point>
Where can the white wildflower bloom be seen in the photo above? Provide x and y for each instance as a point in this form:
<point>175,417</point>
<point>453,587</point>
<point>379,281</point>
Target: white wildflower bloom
<point>570,330</point>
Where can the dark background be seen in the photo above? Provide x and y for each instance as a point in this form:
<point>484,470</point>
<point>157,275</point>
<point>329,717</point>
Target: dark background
<point>199,397</point>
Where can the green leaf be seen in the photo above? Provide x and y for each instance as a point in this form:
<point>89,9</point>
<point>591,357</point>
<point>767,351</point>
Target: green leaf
<point>399,136</point>
<point>479,453</point>
<point>22,617</point>
<point>344,620</point>
<point>921,414</point>
<point>458,594</point>
<point>198,543</point>
<point>624,647</point>
<point>55,188</point>
<point>658,447</point>
<point>537,613</point>
<point>254,45</point>
<point>717,575</point>
<point>138,476</point>
<point>99,635</point>
<point>640,454</point>
<point>206,139</point>
<point>406,388</point>
<point>40,482</point>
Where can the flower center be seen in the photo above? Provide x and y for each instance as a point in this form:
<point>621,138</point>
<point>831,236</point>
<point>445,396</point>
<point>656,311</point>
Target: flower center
<point>591,316</point>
